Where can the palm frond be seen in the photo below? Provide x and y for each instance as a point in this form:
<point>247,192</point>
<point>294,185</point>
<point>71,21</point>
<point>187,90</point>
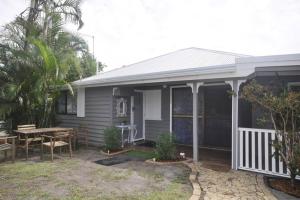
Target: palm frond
<point>47,55</point>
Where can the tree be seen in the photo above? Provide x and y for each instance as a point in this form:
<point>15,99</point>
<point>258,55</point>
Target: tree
<point>284,111</point>
<point>42,11</point>
<point>36,57</point>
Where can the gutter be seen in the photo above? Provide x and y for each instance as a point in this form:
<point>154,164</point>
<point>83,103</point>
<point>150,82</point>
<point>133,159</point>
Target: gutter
<point>153,77</point>
<point>266,59</point>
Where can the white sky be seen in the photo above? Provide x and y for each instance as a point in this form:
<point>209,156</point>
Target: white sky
<point>127,31</point>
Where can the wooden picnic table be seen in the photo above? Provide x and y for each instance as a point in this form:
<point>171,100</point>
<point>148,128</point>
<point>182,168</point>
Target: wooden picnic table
<point>36,133</point>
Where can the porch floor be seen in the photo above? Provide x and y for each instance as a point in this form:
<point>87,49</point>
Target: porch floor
<point>219,160</point>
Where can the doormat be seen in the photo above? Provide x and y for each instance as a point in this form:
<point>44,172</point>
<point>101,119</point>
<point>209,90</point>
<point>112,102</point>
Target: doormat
<point>118,160</point>
<point>146,144</point>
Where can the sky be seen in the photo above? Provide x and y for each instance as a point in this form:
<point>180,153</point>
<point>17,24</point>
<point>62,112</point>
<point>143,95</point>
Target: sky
<point>128,31</point>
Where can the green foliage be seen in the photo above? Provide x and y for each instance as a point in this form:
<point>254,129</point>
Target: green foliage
<point>37,58</point>
<point>112,138</point>
<point>283,107</point>
<point>165,147</point>
<point>84,68</point>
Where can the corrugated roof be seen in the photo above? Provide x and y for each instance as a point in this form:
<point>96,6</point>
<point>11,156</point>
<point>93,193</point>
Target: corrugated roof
<point>183,59</point>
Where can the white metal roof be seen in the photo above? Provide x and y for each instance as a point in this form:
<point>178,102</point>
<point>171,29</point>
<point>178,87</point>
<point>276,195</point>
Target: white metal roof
<point>188,64</point>
<point>183,59</point>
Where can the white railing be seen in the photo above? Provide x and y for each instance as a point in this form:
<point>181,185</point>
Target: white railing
<point>256,150</point>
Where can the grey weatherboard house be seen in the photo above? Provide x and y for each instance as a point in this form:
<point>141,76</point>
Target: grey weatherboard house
<point>186,93</point>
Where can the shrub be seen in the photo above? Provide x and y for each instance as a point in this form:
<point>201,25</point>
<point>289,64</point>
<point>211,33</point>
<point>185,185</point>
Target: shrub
<point>165,147</point>
<point>284,110</point>
<point>112,138</point>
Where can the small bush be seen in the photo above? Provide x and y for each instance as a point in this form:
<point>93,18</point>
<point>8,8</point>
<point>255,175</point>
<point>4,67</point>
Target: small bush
<point>165,147</point>
<point>112,138</point>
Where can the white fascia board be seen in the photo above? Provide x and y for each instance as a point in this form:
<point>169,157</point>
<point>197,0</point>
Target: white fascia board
<point>176,75</point>
<point>247,66</point>
<point>283,59</point>
<point>80,102</point>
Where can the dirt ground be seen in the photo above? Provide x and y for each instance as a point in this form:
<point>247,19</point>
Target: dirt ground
<point>81,178</point>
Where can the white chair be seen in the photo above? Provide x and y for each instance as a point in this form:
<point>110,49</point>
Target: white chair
<point>132,133</point>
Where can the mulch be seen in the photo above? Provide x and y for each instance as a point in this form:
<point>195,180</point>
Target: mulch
<point>284,185</point>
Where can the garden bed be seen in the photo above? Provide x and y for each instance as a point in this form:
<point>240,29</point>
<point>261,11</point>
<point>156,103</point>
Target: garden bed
<point>284,185</point>
<point>167,162</point>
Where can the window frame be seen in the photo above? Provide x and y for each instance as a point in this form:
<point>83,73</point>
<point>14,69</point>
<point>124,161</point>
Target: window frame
<point>65,112</point>
<point>157,95</point>
<point>291,84</point>
<point>121,111</point>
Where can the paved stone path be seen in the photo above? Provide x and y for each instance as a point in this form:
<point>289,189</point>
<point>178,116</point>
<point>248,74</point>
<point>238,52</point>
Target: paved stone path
<point>231,185</point>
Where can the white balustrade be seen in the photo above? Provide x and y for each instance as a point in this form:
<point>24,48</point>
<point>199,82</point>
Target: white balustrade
<point>256,152</point>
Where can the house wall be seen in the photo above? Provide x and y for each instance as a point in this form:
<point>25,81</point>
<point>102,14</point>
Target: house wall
<point>100,110</point>
<point>98,114</point>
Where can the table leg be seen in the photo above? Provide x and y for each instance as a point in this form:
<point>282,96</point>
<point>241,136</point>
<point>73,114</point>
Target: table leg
<point>129,135</point>
<point>74,142</point>
<point>70,147</point>
<point>51,148</point>
<point>17,145</point>
<point>13,150</point>
<point>42,148</point>
<point>122,138</point>
<point>26,146</point>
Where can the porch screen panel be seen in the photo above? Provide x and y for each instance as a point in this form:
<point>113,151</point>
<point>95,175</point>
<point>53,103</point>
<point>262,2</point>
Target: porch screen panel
<point>217,116</point>
<point>182,114</point>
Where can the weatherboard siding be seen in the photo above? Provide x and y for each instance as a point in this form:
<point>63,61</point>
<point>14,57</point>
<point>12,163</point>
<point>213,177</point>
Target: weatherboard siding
<point>98,114</point>
<point>153,128</point>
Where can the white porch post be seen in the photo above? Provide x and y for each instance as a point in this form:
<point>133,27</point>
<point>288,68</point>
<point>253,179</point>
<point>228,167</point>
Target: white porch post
<point>235,86</point>
<point>195,87</point>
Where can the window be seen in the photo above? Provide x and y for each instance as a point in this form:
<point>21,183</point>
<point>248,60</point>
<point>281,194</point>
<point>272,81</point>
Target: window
<point>152,102</point>
<point>66,104</point>
<point>294,86</point>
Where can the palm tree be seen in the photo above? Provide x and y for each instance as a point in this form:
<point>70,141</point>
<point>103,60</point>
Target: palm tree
<point>42,11</point>
<point>36,55</point>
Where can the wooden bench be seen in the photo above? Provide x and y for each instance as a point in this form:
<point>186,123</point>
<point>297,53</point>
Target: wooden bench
<point>26,127</point>
<point>32,140</point>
